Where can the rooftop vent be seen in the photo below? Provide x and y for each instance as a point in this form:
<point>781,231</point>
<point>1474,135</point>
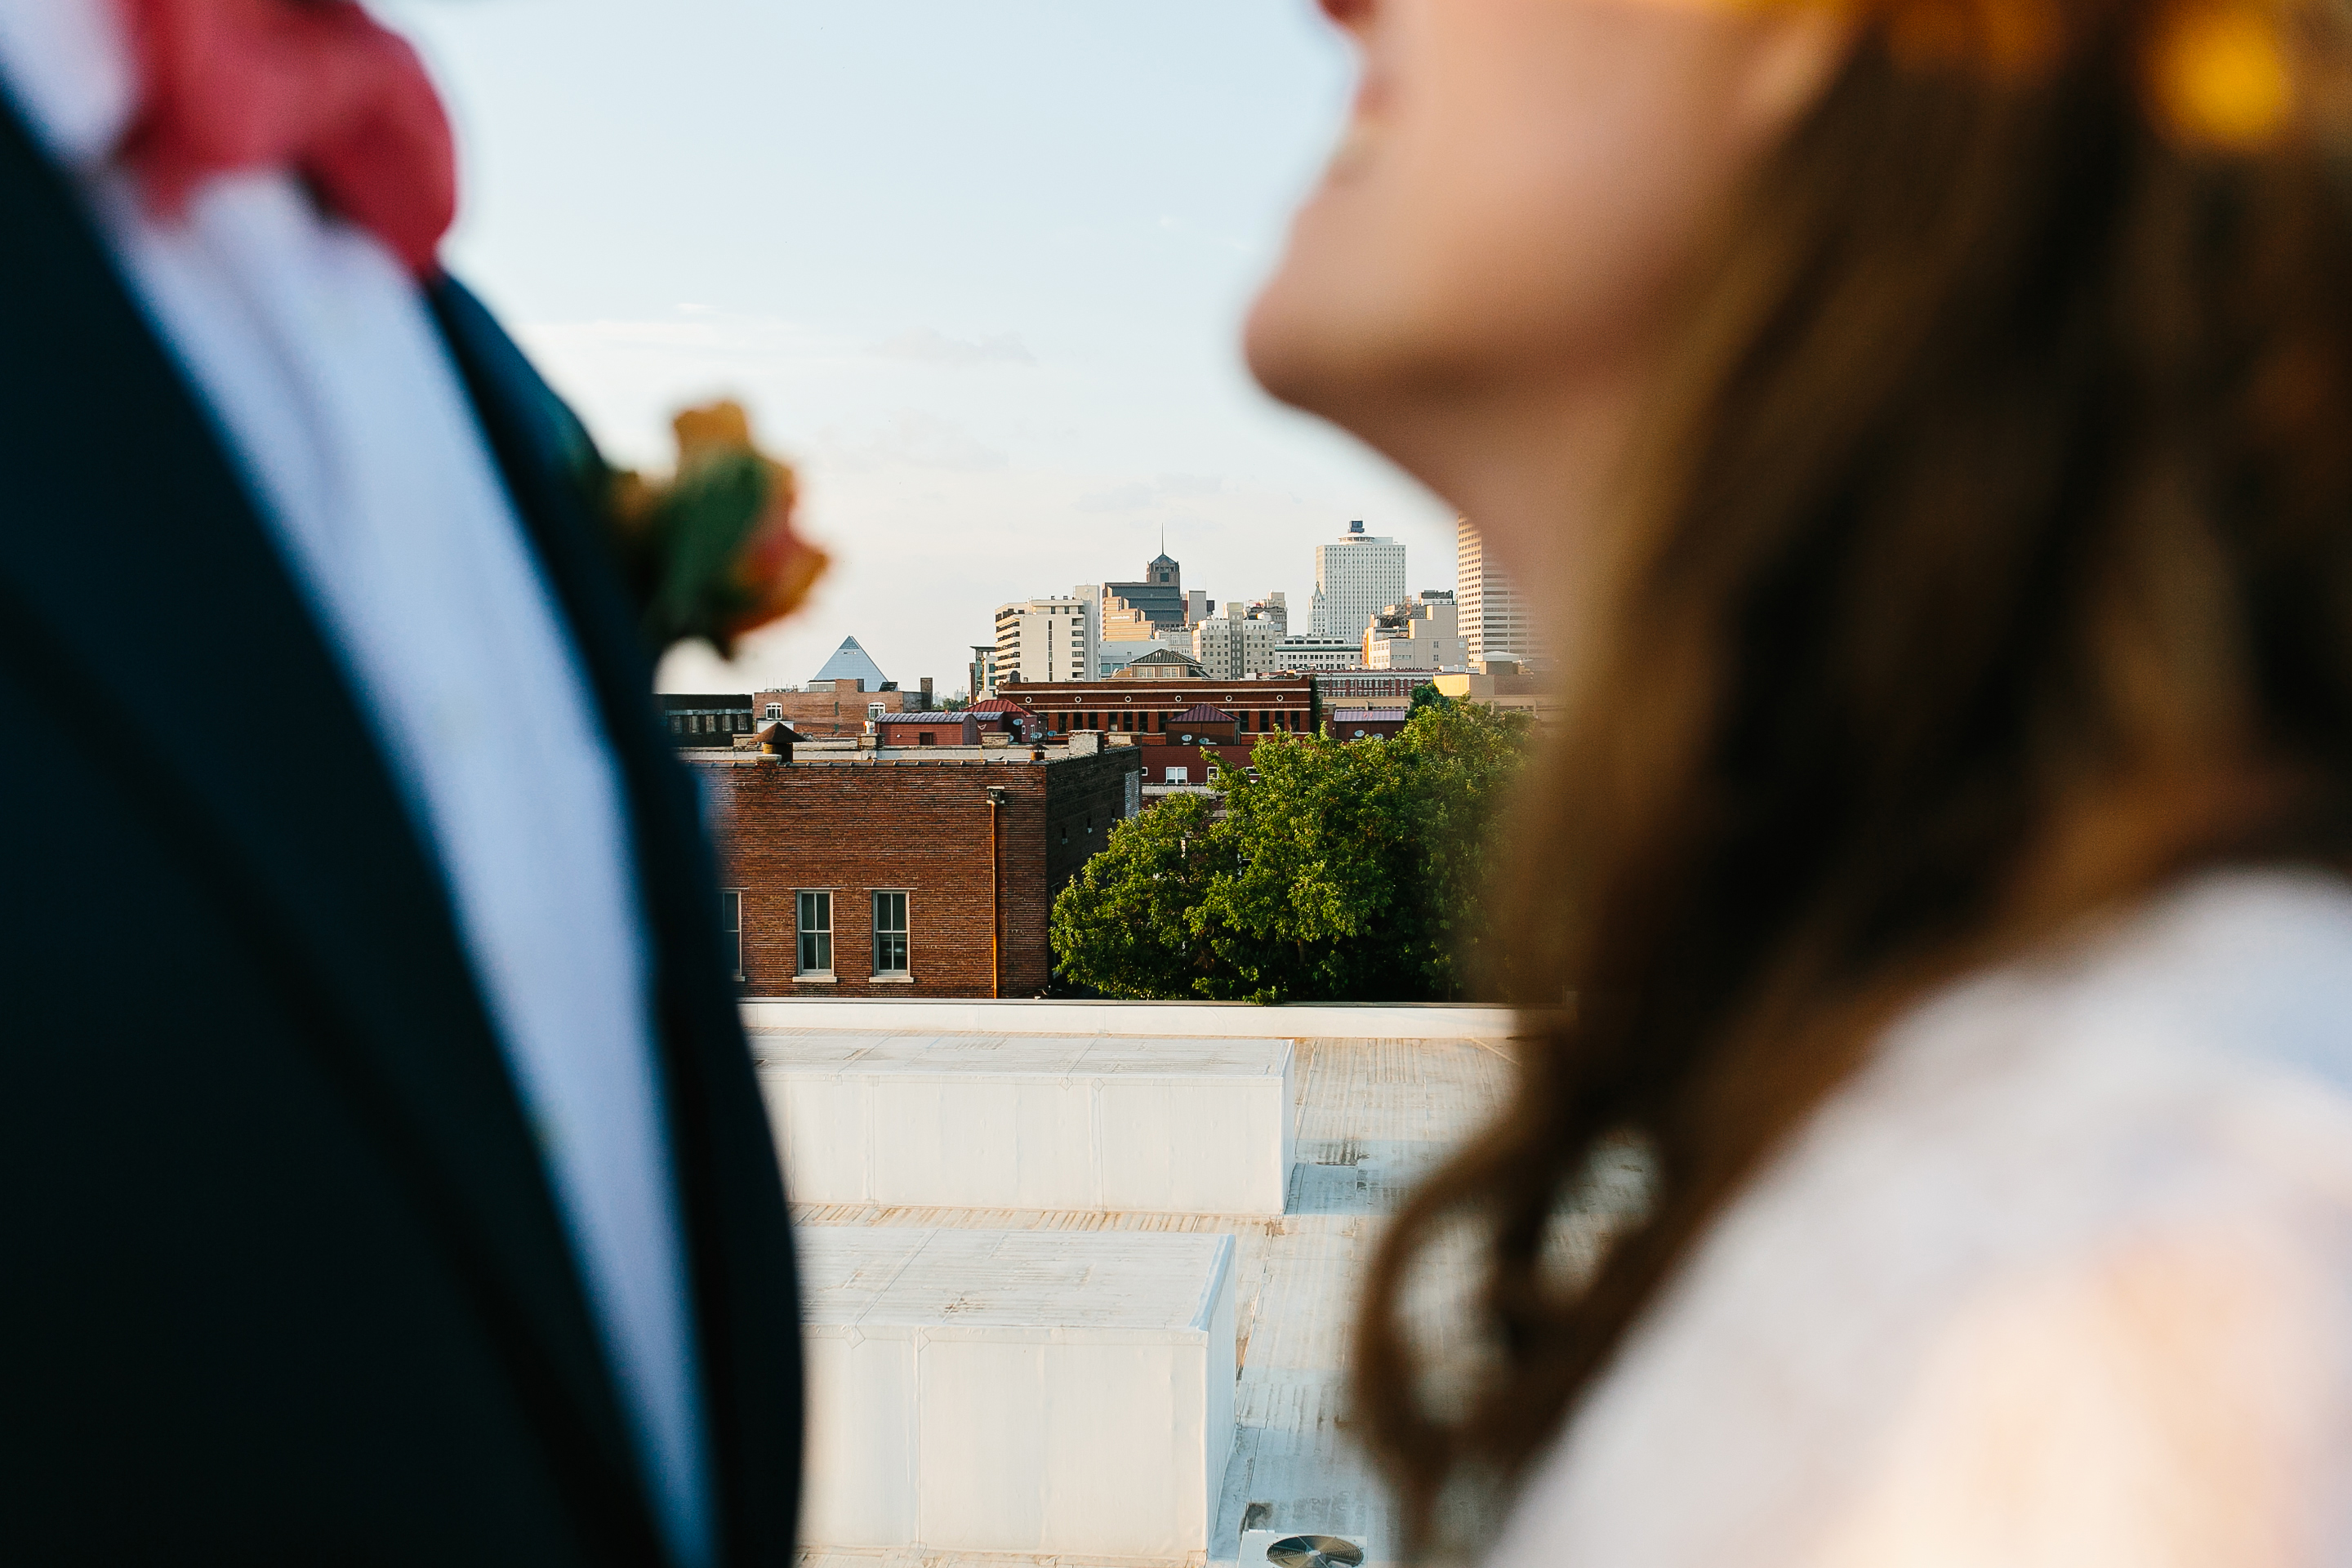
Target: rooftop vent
<point>1302,1551</point>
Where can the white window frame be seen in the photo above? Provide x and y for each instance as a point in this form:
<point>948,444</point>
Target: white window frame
<point>802,931</point>
<point>905,933</point>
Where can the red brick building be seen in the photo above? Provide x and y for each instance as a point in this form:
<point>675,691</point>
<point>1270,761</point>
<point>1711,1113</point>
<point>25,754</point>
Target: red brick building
<point>1014,720</point>
<point>844,709</point>
<point>1145,707</point>
<point>855,875</point>
<point>1367,723</point>
<point>1189,765</point>
<point>929,729</point>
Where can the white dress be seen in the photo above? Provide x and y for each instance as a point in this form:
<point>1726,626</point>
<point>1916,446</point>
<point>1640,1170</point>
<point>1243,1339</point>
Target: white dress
<point>2062,1279</point>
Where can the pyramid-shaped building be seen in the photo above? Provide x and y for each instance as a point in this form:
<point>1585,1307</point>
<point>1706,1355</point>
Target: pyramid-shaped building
<point>849,662</point>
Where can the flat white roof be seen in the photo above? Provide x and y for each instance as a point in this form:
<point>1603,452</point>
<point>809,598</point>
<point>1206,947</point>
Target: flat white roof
<point>1379,1102</point>
<point>1021,1056</point>
<point>1224,1020</point>
<point>1011,1279</point>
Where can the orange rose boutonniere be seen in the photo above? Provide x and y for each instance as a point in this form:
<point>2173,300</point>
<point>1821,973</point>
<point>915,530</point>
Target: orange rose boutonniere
<point>711,553</point>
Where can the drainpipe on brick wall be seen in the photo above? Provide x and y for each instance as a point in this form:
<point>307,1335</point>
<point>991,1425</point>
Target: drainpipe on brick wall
<point>996,801</point>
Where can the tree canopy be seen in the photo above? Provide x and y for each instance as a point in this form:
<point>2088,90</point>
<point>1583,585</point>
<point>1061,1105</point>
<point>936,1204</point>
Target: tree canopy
<point>1341,872</point>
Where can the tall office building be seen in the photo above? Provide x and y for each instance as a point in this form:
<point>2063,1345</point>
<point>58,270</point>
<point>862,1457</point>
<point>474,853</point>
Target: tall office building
<point>1043,639</point>
<point>1494,616</point>
<point>1355,578</point>
<point>1090,595</point>
<point>1160,597</point>
<point>1235,643</point>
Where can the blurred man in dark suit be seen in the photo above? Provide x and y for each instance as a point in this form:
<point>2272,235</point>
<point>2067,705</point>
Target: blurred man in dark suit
<point>382,1178</point>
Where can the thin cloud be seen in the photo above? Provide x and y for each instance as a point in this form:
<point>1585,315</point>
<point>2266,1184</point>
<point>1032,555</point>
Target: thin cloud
<point>928,345</point>
<point>912,440</point>
<point>1141,496</point>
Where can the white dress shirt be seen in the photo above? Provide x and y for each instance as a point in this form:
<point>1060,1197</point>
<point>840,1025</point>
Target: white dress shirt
<point>2062,1279</point>
<point>335,396</point>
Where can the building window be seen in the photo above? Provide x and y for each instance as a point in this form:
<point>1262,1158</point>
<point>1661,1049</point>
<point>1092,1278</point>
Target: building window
<point>816,933</point>
<point>775,710</point>
<point>730,927</point>
<point>1180,775</point>
<point>889,934</point>
<point>925,737</point>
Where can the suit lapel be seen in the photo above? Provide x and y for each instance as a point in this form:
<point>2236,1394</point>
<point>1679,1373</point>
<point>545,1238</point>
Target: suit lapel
<point>746,1296</point>
<point>138,583</point>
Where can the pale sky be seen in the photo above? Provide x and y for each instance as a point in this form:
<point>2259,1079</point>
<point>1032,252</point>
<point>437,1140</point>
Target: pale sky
<point>976,267</point>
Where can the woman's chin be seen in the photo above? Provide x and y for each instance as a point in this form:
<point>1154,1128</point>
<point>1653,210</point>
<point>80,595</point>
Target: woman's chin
<point>1308,352</point>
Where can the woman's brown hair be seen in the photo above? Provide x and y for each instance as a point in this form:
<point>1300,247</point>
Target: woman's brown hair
<point>1992,566</point>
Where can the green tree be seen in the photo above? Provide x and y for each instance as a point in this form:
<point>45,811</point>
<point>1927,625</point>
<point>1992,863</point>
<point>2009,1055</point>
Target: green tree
<point>1343,871</point>
<point>1124,927</point>
<point>1428,696</point>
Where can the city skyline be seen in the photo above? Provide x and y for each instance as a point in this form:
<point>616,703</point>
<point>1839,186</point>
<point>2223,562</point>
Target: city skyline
<point>978,275</point>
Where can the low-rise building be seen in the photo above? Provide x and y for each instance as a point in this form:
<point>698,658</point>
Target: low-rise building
<point>1001,715</point>
<point>1503,685</point>
<point>1114,658</point>
<point>1369,688</point>
<point>1142,705</point>
<point>1313,654</point>
<point>922,872</point>
<point>699,719</point>
<point>843,706</point>
<point>1421,632</point>
<point>1366,723</point>
<point>933,729</point>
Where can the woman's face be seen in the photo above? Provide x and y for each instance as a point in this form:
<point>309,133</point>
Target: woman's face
<point>1522,185</point>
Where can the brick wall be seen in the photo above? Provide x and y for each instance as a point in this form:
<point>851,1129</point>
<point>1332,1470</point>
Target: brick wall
<point>827,713</point>
<point>1193,760</point>
<point>916,826</point>
<point>1083,795</point>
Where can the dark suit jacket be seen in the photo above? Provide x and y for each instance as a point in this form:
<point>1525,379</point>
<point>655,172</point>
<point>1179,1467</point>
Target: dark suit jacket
<point>281,1276</point>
